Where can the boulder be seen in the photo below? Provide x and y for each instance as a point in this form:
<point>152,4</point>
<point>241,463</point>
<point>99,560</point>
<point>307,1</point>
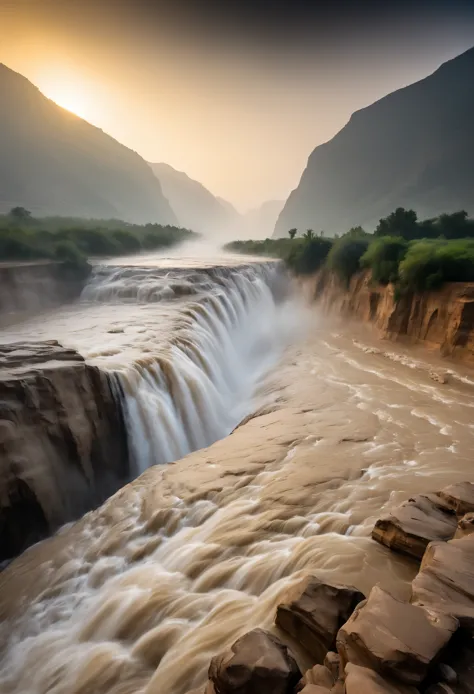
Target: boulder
<point>446,580</point>
<point>313,612</point>
<point>397,639</point>
<point>333,663</point>
<point>319,675</point>
<point>465,526</point>
<point>257,663</point>
<point>409,528</point>
<point>361,680</point>
<point>459,497</point>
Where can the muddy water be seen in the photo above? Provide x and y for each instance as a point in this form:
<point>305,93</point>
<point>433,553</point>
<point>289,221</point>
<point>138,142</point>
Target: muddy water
<point>140,594</point>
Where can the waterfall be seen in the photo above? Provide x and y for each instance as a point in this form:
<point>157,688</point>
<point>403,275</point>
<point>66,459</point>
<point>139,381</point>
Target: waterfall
<point>231,325</point>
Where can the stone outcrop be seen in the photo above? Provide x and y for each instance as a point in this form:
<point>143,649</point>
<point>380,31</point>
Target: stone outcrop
<point>459,497</point>
<point>361,680</point>
<point>333,663</point>
<point>318,675</point>
<point>446,580</point>
<point>397,639</point>
<point>36,286</point>
<point>465,526</point>
<point>409,528</point>
<point>63,446</point>
<point>257,662</point>
<point>441,319</point>
<point>313,612</point>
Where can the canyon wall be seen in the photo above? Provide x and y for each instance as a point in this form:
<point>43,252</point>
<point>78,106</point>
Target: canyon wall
<point>63,447</point>
<point>36,286</point>
<point>441,319</point>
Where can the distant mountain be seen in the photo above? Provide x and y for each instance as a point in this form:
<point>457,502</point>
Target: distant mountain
<point>413,148</point>
<point>260,222</point>
<point>54,163</point>
<point>195,206</point>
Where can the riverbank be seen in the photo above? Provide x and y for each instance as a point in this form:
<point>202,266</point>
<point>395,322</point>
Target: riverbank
<point>441,320</point>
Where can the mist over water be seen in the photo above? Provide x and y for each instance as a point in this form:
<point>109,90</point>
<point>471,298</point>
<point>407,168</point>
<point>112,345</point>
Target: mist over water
<point>201,383</point>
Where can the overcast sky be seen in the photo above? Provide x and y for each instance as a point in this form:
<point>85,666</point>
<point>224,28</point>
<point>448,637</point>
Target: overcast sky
<point>237,94</point>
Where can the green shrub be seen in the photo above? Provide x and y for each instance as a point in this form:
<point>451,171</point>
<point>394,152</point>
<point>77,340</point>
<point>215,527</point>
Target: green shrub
<point>428,264</point>
<point>126,241</point>
<point>308,255</point>
<point>344,256</point>
<point>383,257</point>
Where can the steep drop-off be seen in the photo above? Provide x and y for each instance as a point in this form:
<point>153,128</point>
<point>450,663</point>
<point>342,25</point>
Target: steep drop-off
<point>55,163</point>
<point>413,148</point>
<point>32,287</point>
<point>63,447</point>
<point>442,320</point>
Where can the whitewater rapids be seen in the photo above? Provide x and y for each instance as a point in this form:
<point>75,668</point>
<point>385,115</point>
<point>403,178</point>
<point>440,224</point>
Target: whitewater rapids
<point>140,594</point>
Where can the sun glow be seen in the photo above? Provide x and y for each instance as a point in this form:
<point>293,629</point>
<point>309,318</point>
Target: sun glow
<point>68,93</point>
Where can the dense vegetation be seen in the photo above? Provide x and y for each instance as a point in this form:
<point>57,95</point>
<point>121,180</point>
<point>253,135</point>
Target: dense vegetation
<point>413,255</point>
<point>71,240</point>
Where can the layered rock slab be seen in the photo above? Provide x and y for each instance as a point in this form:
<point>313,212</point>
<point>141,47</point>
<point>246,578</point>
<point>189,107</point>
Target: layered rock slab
<point>399,640</point>
<point>409,528</point>
<point>446,580</point>
<point>257,662</point>
<point>459,497</point>
<point>361,680</point>
<point>63,445</point>
<point>313,611</point>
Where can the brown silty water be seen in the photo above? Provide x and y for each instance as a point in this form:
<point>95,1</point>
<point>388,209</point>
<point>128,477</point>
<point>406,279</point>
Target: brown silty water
<point>140,594</point>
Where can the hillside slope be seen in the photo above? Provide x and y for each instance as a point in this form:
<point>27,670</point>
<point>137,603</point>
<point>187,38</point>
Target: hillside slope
<point>195,206</point>
<point>413,148</point>
<point>54,163</point>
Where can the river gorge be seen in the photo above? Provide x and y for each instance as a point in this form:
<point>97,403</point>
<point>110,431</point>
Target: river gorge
<point>257,438</point>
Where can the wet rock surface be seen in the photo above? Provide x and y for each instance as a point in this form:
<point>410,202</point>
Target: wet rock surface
<point>397,639</point>
<point>446,580</point>
<point>361,680</point>
<point>257,662</point>
<point>62,441</point>
<point>317,675</point>
<point>465,526</point>
<point>313,611</point>
<point>459,497</point>
<point>409,528</point>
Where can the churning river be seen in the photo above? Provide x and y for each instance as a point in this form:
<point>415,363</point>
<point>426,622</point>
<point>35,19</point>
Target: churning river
<point>138,595</point>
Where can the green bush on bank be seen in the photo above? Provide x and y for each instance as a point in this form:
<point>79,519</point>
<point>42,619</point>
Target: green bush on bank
<point>383,258</point>
<point>25,238</point>
<point>411,254</point>
<point>429,263</point>
<point>345,255</point>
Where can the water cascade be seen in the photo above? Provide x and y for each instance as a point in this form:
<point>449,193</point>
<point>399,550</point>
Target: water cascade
<point>200,383</point>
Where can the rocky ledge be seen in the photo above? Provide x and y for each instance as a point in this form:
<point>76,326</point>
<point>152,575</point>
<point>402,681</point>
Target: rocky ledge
<point>378,644</point>
<point>63,447</point>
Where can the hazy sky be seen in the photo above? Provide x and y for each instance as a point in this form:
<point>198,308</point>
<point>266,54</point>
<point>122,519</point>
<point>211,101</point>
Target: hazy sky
<point>236,94</point>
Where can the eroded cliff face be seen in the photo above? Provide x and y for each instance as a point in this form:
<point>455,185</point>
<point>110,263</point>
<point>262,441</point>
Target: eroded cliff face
<point>63,446</point>
<point>441,319</point>
<point>32,287</point>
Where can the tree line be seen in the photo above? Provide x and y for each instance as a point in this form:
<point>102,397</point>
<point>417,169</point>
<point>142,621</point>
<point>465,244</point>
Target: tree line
<point>413,255</point>
<point>74,240</point>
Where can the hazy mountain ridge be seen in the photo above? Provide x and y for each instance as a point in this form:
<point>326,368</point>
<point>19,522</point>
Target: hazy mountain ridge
<point>412,148</point>
<point>195,206</point>
<point>55,163</point>
<point>198,209</point>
